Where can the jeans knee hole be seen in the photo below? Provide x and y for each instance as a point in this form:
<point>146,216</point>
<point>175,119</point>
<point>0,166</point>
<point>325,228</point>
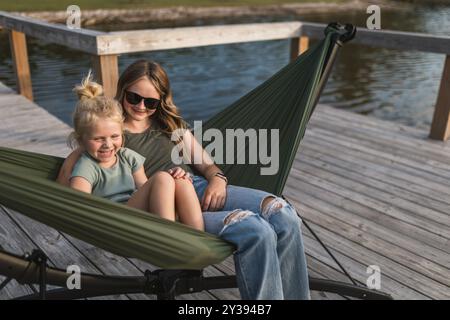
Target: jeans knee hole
<point>275,205</point>
<point>235,216</point>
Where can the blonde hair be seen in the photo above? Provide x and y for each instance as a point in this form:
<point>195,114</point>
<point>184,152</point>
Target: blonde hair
<point>92,105</point>
<point>167,114</point>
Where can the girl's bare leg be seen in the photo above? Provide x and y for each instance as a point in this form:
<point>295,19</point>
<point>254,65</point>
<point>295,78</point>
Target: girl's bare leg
<point>187,204</point>
<point>157,196</point>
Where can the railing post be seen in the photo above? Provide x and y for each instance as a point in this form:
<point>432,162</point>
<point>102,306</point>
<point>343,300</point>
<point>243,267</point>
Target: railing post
<point>107,72</point>
<point>440,127</point>
<point>298,46</point>
<point>19,54</point>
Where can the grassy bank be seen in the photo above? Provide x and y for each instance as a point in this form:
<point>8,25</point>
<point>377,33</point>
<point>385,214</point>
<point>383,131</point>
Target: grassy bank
<point>58,5</point>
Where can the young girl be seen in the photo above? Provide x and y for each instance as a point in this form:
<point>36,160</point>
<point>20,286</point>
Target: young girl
<point>108,170</point>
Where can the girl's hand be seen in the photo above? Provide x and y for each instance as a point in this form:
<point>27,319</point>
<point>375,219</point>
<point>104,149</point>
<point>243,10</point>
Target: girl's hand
<point>179,173</point>
<point>215,195</point>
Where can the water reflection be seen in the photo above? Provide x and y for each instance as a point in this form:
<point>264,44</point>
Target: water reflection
<point>390,84</point>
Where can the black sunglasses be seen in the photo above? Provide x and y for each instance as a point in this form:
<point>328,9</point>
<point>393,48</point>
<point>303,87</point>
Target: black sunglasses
<point>134,98</point>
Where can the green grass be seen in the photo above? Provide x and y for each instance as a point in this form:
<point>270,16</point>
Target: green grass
<point>40,5</point>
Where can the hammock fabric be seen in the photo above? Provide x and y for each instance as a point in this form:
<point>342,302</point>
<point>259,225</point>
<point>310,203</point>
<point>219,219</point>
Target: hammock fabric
<point>283,102</point>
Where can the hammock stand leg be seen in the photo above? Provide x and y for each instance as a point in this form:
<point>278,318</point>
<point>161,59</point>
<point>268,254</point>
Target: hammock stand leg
<point>40,259</point>
<point>165,284</point>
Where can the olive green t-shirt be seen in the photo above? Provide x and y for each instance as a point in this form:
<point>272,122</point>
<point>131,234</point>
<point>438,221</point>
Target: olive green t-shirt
<point>155,145</point>
<point>115,183</point>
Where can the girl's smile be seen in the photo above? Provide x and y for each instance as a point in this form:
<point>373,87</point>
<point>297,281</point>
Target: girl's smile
<point>103,141</point>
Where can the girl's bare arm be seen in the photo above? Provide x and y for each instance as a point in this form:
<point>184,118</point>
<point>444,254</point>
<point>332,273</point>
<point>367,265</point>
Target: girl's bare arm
<point>80,184</point>
<point>140,178</point>
<point>67,167</point>
<point>199,157</point>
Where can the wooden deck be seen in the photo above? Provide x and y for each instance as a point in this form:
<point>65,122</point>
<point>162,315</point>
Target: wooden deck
<point>377,193</point>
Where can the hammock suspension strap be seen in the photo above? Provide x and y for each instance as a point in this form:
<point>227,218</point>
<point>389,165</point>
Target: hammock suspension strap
<point>322,244</point>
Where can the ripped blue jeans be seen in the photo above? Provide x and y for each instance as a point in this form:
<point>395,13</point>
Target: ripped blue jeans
<point>270,261</point>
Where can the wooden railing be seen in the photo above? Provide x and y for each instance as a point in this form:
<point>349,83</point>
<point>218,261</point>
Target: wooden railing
<point>106,46</point>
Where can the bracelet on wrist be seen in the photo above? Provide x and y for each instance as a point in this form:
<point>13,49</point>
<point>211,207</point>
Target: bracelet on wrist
<point>221,176</point>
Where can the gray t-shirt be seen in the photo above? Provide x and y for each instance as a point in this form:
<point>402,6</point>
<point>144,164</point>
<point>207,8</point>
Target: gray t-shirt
<point>115,183</point>
<point>156,146</point>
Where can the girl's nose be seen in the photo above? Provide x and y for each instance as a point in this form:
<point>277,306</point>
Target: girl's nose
<point>107,143</point>
<point>141,104</point>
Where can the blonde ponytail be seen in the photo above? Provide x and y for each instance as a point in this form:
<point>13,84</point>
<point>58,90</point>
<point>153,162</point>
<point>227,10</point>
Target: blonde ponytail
<point>91,106</point>
<point>88,89</point>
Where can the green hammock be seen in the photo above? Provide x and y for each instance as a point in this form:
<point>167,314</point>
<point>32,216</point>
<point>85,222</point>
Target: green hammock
<point>283,102</point>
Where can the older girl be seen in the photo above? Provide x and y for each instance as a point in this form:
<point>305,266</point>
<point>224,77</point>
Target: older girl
<point>269,261</point>
<point>108,170</point>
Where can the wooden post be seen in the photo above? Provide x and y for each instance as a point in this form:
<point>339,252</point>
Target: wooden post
<point>298,46</point>
<point>440,127</point>
<point>19,54</point>
<point>107,73</point>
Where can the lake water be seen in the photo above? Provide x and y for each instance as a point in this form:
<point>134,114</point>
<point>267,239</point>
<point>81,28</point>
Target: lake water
<point>389,84</point>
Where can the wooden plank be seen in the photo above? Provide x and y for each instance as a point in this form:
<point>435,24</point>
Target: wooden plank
<point>13,240</point>
<point>225,268</point>
<point>357,269</point>
<point>79,39</point>
<point>186,37</point>
<point>376,226</point>
<point>400,161</point>
<point>19,55</point>
<point>375,126</point>
<point>392,269</point>
<point>367,200</point>
<point>392,251</point>
<point>440,127</point>
<point>96,42</point>
<point>419,151</point>
<point>388,39</point>
<point>366,217</point>
<point>6,91</point>
<point>58,249</point>
<point>404,169</point>
<point>162,39</point>
<point>319,270</point>
<point>356,260</point>
<point>402,209</point>
<point>298,46</point>
<point>394,197</point>
<point>107,263</point>
<point>417,147</point>
<point>387,127</point>
<point>363,186</point>
<point>381,171</point>
<point>378,180</point>
<point>29,127</point>
<point>107,73</point>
